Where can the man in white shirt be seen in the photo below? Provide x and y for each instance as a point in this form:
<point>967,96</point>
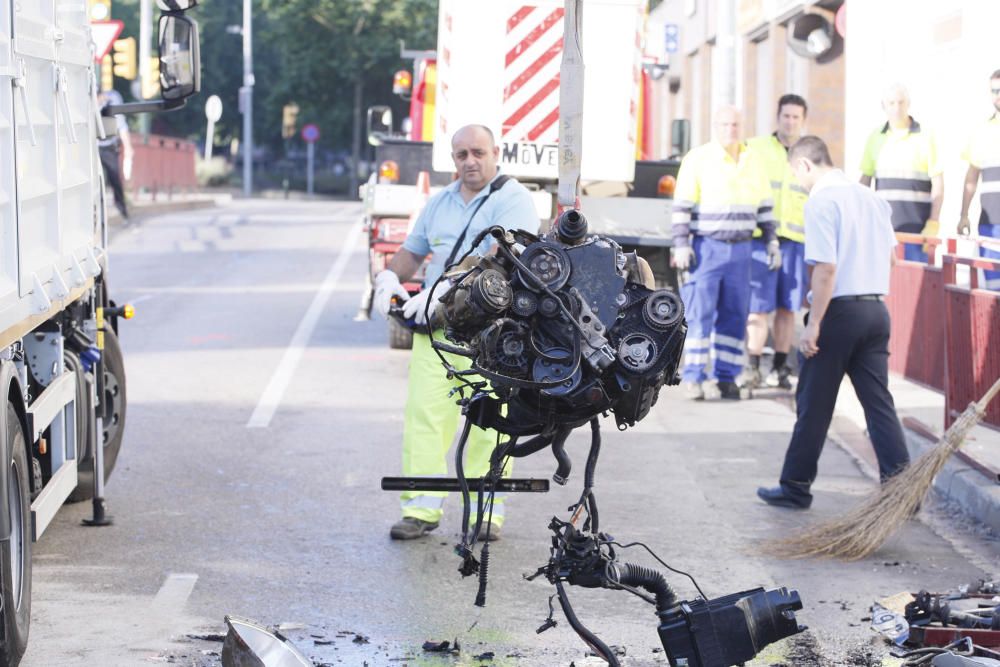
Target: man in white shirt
<point>849,244</point>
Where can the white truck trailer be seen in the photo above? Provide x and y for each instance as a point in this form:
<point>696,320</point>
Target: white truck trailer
<point>62,377</point>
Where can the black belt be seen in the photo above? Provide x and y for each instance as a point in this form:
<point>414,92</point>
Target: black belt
<point>859,297</point>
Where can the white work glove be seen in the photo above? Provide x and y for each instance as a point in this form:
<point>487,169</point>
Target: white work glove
<point>682,257</point>
<point>387,286</point>
<point>773,256</point>
<point>416,306</point>
<point>127,167</point>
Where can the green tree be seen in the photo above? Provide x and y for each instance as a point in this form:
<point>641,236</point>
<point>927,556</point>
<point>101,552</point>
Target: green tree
<point>317,53</point>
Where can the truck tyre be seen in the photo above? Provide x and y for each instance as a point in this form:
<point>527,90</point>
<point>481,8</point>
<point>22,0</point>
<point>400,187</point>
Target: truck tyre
<point>113,408</point>
<point>400,338</point>
<point>15,552</point>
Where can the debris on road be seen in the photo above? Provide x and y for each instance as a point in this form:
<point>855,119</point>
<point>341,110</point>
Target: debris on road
<point>946,629</point>
<point>249,644</point>
<point>446,646</point>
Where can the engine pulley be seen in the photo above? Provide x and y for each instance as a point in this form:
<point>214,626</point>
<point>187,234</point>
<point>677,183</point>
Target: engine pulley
<point>637,352</point>
<point>663,310</point>
<point>557,365</point>
<point>548,262</point>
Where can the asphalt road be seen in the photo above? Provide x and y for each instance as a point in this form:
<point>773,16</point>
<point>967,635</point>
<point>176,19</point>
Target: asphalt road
<point>261,418</point>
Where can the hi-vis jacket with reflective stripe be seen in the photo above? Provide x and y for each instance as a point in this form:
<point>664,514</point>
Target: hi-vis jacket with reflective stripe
<point>983,153</point>
<point>721,198</point>
<point>903,163</point>
<point>789,197</point>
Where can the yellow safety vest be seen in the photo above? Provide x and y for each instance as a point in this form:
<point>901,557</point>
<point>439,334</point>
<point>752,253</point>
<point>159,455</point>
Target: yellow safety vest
<point>721,198</point>
<point>903,163</point>
<point>983,153</point>
<point>789,196</point>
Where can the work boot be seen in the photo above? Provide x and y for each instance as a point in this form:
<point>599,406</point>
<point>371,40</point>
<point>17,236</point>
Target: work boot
<point>779,377</point>
<point>693,391</point>
<point>410,528</point>
<point>729,391</point>
<point>710,390</point>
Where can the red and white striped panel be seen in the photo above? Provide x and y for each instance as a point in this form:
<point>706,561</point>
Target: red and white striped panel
<point>532,46</point>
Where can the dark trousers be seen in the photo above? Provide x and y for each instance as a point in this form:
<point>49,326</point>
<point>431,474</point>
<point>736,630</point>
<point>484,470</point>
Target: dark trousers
<point>853,339</point>
<point>112,173</point>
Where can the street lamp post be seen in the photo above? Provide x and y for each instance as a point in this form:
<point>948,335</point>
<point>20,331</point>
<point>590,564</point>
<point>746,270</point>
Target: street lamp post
<point>246,97</point>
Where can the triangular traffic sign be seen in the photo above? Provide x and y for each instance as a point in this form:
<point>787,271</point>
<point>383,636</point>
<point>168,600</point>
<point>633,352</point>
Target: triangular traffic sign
<point>104,34</point>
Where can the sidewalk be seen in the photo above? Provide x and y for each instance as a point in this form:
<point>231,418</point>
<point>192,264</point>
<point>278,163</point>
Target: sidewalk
<point>145,205</point>
<point>974,487</point>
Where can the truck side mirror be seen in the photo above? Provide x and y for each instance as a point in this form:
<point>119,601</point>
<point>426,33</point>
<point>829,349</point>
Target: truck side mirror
<point>180,60</point>
<point>379,124</point>
<point>680,136</point>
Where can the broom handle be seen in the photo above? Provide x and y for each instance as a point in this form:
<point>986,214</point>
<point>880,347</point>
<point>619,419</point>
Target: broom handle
<point>989,396</point>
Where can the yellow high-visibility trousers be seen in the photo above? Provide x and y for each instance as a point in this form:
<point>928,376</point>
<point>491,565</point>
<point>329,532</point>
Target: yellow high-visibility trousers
<point>430,426</point>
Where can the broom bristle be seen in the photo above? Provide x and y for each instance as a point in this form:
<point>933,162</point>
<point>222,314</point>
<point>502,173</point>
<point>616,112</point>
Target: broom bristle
<point>860,532</point>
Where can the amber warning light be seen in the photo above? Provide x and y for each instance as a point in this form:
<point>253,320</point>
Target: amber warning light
<point>665,186</point>
<point>401,82</point>
<point>388,172</point>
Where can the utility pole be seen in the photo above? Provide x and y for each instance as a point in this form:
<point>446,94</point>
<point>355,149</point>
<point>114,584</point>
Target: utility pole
<point>145,36</point>
<point>246,97</point>
<point>352,181</point>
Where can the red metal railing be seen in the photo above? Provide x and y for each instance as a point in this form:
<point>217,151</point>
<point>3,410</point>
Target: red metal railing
<point>162,164</point>
<point>972,338</point>
<point>916,306</point>
<point>944,335</point>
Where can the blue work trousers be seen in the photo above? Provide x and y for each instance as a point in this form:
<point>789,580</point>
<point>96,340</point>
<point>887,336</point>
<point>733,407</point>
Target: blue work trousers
<point>717,303</point>
<point>991,279</point>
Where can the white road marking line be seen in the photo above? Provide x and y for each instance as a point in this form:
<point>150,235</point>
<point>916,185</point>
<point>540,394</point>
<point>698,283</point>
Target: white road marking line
<point>271,398</point>
<point>281,288</point>
<point>174,593</point>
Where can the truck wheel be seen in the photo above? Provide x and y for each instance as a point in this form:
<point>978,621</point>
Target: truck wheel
<point>113,408</point>
<point>15,552</point>
<point>400,338</point>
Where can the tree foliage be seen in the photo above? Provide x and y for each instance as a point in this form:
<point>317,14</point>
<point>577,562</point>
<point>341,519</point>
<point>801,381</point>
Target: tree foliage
<point>311,52</point>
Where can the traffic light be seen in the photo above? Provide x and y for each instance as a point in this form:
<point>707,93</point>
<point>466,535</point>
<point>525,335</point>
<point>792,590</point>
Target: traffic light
<point>289,116</point>
<point>124,57</point>
<point>107,78</point>
<point>99,10</point>
<point>151,82</point>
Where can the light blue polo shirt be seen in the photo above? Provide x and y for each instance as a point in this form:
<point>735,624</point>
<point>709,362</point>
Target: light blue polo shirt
<point>446,214</point>
<point>848,225</point>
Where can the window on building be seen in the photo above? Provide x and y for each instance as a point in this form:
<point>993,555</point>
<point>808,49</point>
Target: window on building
<point>764,84</point>
<point>796,73</point>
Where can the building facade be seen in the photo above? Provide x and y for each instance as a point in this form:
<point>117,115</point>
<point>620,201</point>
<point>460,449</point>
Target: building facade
<point>750,52</point>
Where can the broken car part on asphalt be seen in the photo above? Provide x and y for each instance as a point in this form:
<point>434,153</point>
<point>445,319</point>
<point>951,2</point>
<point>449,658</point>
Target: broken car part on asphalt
<point>964,624</point>
<point>249,644</point>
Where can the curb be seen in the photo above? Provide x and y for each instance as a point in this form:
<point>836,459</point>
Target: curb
<point>142,211</point>
<point>971,490</point>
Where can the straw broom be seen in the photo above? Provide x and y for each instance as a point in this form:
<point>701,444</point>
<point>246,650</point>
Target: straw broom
<point>859,533</point>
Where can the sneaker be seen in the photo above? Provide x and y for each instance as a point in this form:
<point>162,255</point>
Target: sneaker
<point>779,377</point>
<point>752,378</point>
<point>693,391</point>
<point>729,391</point>
<point>410,528</point>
